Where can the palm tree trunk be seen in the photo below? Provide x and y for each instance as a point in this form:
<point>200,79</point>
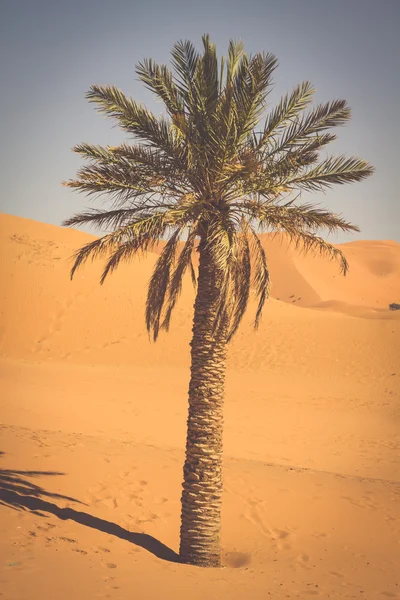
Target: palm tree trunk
<point>202,486</point>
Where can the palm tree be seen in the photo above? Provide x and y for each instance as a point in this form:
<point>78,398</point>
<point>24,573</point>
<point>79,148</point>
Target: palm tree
<point>209,174</point>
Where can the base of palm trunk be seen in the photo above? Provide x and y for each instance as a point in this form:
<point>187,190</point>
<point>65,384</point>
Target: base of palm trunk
<point>199,560</point>
<point>201,521</point>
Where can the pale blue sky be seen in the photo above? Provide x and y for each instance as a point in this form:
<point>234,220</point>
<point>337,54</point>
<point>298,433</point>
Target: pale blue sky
<point>52,51</point>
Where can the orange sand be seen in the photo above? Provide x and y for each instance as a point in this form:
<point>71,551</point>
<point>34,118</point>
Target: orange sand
<point>93,428</point>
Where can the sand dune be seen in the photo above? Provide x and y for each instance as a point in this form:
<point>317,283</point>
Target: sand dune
<point>93,427</point>
<point>48,317</point>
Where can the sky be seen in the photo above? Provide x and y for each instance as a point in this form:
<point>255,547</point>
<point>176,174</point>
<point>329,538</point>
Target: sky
<point>51,52</point>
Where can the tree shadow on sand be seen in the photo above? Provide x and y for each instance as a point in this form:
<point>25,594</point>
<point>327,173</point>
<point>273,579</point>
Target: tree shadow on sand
<point>18,493</point>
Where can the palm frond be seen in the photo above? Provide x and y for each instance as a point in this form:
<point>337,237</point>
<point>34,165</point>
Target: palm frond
<point>140,234</point>
<point>287,110</point>
<point>159,80</point>
<point>123,251</point>
<point>185,59</point>
<point>208,75</point>
<point>306,217</point>
<point>95,152</point>
<point>323,117</point>
<point>134,159</point>
<point>132,173</point>
<point>241,276</point>
<point>251,87</point>
<point>308,242</point>
<point>115,178</point>
<point>158,285</point>
<point>175,285</point>
<point>162,170</point>
<point>262,282</point>
<point>235,54</point>
<point>90,250</point>
<point>333,171</point>
<point>113,219</point>
<point>148,158</point>
<point>220,240</point>
<point>134,118</point>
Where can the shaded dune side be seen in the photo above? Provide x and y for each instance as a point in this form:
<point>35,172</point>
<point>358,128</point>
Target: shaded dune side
<point>373,280</point>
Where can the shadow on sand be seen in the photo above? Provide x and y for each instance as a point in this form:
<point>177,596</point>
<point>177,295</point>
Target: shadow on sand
<point>18,493</point>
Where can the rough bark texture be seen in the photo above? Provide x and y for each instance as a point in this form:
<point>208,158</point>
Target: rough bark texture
<point>202,486</point>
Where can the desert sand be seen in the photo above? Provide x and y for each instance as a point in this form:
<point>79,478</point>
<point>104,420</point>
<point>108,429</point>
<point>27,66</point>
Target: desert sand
<point>93,421</point>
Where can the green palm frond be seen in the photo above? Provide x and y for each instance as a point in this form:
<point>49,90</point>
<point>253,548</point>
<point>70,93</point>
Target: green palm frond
<point>273,216</point>
<point>188,68</point>
<point>129,172</point>
<point>185,59</point>
<point>287,110</point>
<point>308,242</point>
<point>159,283</point>
<point>142,234</point>
<point>241,283</point>
<point>175,284</point>
<point>95,153</point>
<point>235,54</point>
<point>110,219</point>
<point>219,239</point>
<point>116,179</point>
<point>122,252</point>
<point>333,171</point>
<point>208,75</point>
<point>251,87</point>
<point>133,118</point>
<point>261,279</point>
<point>129,158</point>
<point>323,117</point>
<point>300,224</point>
<point>159,80</point>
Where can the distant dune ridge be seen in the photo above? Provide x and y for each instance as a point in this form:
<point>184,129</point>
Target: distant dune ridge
<point>94,415</point>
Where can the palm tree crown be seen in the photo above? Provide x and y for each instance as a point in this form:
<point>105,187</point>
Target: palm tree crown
<point>210,170</point>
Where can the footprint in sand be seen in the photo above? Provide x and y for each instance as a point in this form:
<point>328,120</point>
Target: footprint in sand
<point>122,492</point>
<point>282,538</point>
<point>44,527</point>
<point>252,514</point>
<point>303,559</point>
<point>318,534</point>
<point>255,512</point>
<point>336,574</point>
<point>110,502</point>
